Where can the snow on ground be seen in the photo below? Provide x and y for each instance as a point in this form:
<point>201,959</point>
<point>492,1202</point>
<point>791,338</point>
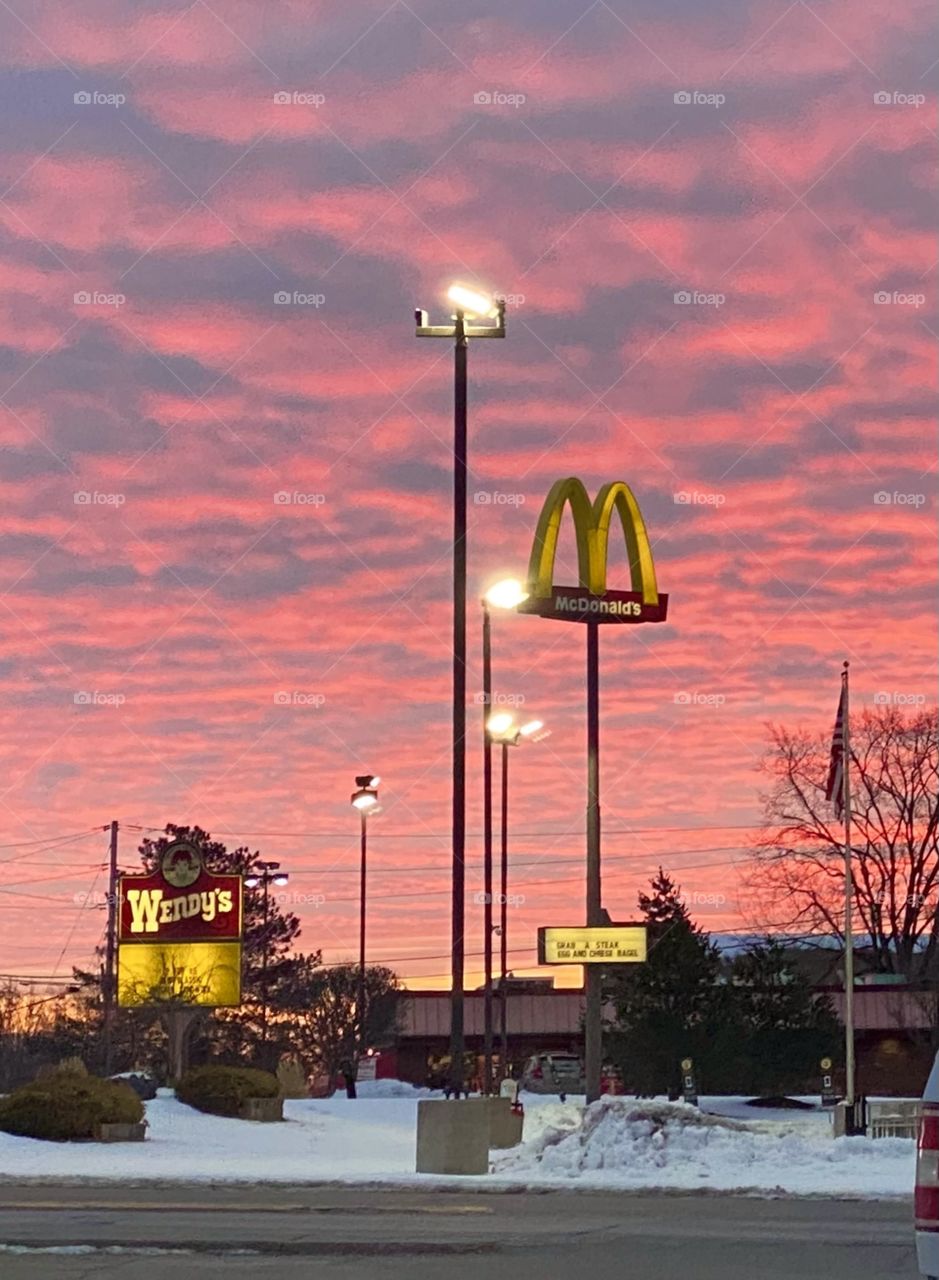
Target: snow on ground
<point>632,1145</point>
<point>621,1144</point>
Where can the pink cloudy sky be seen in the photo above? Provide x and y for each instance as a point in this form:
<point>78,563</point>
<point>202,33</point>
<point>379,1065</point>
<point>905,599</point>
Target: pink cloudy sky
<point>788,196</point>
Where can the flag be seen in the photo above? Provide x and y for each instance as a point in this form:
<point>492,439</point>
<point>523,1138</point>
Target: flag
<point>834,790</point>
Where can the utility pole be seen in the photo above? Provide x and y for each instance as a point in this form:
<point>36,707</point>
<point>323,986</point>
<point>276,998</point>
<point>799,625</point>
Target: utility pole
<point>110,949</point>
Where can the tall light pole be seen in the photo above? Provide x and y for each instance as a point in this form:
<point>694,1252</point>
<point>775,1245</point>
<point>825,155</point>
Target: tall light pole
<point>365,799</point>
<point>468,304</point>
<point>506,594</point>
<point>267,873</point>
<point>503,729</point>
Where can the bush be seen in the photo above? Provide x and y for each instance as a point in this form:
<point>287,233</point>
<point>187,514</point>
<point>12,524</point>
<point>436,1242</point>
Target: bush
<point>67,1106</point>
<point>223,1090</point>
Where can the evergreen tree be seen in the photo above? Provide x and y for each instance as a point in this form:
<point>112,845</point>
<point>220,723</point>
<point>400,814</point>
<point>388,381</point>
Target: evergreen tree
<point>671,1007</point>
<point>785,1029</point>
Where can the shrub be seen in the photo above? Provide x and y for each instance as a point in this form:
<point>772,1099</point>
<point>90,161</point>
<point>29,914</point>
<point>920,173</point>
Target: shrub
<point>67,1106</point>
<point>223,1090</point>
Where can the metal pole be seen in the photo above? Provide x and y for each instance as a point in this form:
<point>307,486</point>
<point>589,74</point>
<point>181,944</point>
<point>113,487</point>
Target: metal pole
<point>848,905</point>
<point>361,996</point>
<point>593,1031</point>
<point>504,916</point>
<point>487,849</point>
<point>110,950</point>
<point>265,880</point>
<point>459,706</point>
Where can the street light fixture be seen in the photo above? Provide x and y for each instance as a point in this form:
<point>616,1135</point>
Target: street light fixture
<point>468,304</point>
<point>502,728</point>
<point>509,593</point>
<point>267,873</point>
<point>365,799</point>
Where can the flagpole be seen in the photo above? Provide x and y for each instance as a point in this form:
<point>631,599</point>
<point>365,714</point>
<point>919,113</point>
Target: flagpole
<point>848,900</point>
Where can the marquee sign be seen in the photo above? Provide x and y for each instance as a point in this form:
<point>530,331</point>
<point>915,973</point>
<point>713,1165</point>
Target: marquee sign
<point>179,933</point>
<point>591,601</point>
<point>597,944</point>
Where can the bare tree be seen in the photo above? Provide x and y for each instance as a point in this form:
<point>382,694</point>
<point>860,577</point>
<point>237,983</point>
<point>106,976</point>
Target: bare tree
<point>797,878</point>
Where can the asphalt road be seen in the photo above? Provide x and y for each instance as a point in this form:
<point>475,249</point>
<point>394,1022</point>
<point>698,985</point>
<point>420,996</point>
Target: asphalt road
<point>293,1233</point>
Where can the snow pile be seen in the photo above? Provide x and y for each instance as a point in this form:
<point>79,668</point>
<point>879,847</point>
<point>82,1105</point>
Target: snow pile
<point>619,1142</point>
<point>393,1089</point>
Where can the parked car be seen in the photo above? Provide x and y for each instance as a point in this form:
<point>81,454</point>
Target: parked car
<point>554,1073</point>
<point>926,1200</point>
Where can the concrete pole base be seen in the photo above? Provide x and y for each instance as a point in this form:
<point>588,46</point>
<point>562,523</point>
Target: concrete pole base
<point>452,1136</point>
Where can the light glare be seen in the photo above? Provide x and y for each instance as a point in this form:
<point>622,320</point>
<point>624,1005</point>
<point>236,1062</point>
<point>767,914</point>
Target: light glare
<point>501,722</point>
<point>507,594</point>
<point>471,301</point>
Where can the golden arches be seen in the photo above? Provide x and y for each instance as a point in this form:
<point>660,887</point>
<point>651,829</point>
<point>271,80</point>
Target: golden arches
<point>592,529</point>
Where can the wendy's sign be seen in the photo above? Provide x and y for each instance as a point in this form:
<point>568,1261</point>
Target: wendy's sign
<point>179,934</point>
<point>182,902</point>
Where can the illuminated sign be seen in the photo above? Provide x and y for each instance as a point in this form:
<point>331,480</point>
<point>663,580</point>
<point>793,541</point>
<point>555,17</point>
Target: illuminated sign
<point>181,908</point>
<point>187,973</point>
<point>599,944</point>
<point>179,933</point>
<point>590,601</point>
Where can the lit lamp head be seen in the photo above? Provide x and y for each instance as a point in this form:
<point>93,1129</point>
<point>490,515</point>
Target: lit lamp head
<point>252,882</point>
<point>365,797</point>
<point>507,594</point>
<point>472,302</point>
<point>502,728</point>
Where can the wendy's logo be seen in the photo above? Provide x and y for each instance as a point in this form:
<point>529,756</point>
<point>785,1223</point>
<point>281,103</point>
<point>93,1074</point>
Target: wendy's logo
<point>181,865</point>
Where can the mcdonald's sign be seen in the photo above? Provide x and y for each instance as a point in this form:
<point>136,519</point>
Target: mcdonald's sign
<point>591,600</point>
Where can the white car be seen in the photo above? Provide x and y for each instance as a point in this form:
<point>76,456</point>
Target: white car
<point>926,1202</point>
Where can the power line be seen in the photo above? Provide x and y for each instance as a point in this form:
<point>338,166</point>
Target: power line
<point>346,833</point>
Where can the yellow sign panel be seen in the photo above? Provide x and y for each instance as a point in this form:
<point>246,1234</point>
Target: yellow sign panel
<point>186,973</point>
<point>603,944</point>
